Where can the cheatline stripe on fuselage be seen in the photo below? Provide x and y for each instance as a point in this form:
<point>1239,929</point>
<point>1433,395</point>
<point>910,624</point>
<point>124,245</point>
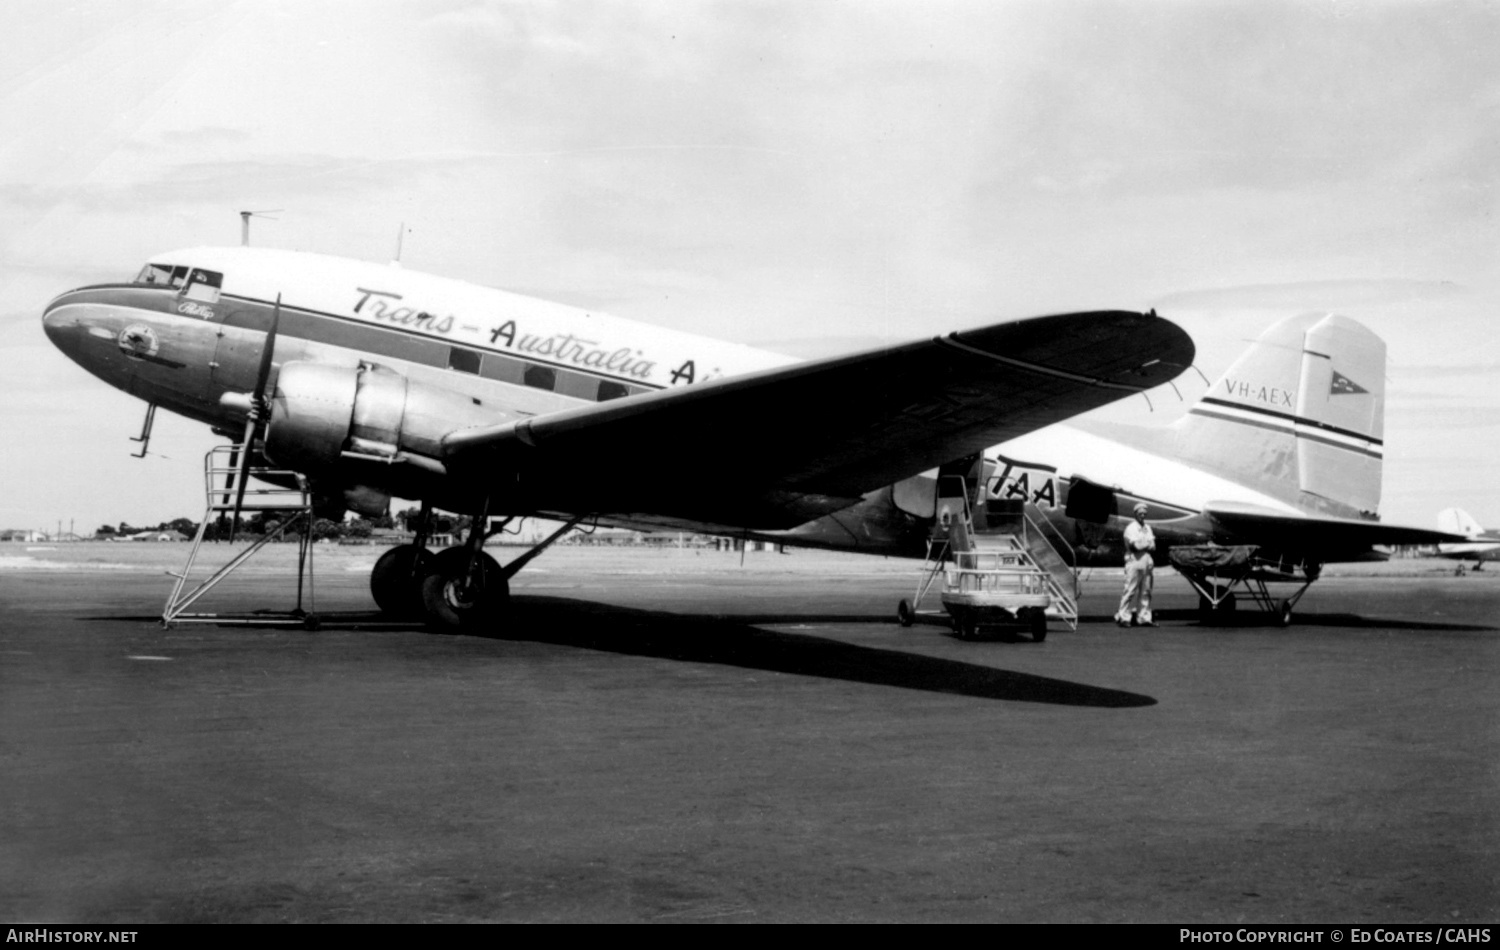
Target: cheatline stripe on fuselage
<point>1295,433</point>
<point>1299,420</point>
<point>477,347</point>
<point>164,304</point>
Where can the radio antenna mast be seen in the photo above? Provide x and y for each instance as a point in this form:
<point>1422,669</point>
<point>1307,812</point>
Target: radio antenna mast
<point>245,217</point>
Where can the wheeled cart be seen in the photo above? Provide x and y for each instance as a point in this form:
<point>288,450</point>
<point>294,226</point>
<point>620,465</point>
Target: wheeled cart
<point>986,589</point>
<point>1006,575</point>
<point>1217,571</point>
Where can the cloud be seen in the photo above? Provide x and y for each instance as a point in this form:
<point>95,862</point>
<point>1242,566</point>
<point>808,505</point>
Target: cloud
<point>204,136</point>
<point>1312,295</point>
<point>1431,417</point>
<point>817,347</point>
<point>1448,371</point>
<point>877,170</point>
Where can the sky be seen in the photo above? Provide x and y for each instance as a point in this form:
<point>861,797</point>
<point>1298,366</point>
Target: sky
<point>810,176</point>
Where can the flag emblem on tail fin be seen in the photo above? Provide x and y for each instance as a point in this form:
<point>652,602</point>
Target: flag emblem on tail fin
<point>1344,386</point>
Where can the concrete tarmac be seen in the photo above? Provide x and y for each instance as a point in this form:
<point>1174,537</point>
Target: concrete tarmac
<point>671,736</point>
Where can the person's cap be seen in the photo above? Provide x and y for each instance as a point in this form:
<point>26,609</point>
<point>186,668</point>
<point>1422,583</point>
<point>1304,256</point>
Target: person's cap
<point>1141,508</point>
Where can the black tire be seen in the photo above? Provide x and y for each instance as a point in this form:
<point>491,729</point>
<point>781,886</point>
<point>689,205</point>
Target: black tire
<point>904,614</point>
<point>396,581</point>
<point>452,601</point>
<point>1038,624</point>
<point>1284,614</point>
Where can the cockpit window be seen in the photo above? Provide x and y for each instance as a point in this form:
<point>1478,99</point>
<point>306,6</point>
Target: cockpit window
<point>203,285</point>
<point>169,275</point>
<point>194,282</point>
<point>155,274</point>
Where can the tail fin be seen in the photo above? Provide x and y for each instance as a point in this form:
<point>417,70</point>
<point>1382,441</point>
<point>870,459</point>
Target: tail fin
<point>1299,416</point>
<point>1458,521</point>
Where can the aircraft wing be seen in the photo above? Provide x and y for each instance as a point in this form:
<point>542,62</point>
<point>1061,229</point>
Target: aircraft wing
<point>779,447</point>
<point>1251,524</point>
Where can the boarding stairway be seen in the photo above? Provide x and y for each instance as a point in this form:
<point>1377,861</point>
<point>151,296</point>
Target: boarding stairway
<point>266,491</point>
<point>1022,527</point>
<point>1006,548</point>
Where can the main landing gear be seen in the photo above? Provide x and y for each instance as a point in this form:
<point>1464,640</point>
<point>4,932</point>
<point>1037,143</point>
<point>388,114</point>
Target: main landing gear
<point>459,587</point>
<point>396,582</point>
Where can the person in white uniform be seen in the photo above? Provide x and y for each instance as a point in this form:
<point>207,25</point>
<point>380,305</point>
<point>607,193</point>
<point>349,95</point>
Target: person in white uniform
<point>1140,545</point>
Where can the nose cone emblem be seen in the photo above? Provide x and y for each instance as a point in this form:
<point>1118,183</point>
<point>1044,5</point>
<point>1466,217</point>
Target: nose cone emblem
<point>139,341</point>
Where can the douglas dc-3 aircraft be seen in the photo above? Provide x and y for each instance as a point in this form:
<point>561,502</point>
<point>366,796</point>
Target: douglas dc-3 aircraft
<point>1480,545</point>
<point>374,381</point>
<point>1280,459</point>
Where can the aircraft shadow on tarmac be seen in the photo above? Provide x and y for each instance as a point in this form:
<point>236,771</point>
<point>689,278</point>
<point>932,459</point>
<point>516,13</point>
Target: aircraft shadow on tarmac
<point>1252,618</point>
<point>737,641</point>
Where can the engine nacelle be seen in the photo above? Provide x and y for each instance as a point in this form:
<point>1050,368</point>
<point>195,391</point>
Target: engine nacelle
<point>324,415</point>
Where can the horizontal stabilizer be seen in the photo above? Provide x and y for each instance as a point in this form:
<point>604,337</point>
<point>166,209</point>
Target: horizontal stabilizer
<point>1254,524</point>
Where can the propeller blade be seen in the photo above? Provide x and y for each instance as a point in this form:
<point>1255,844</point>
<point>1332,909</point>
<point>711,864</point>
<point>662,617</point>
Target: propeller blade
<point>259,410</point>
<point>246,454</point>
<point>266,352</point>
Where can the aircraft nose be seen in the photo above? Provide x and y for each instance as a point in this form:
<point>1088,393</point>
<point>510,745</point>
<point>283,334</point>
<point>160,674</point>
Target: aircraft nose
<point>62,331</point>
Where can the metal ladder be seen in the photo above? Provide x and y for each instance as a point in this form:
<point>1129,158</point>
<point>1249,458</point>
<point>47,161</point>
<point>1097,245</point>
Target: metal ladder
<point>263,495</point>
<point>1039,553</point>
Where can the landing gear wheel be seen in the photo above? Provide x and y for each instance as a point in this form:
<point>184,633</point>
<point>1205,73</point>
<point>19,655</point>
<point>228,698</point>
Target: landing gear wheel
<point>1284,614</point>
<point>452,599</point>
<point>965,629</point>
<point>1037,622</point>
<point>904,614</point>
<point>396,581</point>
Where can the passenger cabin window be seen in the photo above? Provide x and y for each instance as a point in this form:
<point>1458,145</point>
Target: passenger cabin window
<point>611,390</point>
<point>540,377</point>
<point>465,361</point>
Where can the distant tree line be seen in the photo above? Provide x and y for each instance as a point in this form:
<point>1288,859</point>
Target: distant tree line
<point>185,526</point>
<point>261,523</point>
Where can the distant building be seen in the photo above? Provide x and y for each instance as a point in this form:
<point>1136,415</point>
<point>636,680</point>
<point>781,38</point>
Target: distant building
<point>22,534</point>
